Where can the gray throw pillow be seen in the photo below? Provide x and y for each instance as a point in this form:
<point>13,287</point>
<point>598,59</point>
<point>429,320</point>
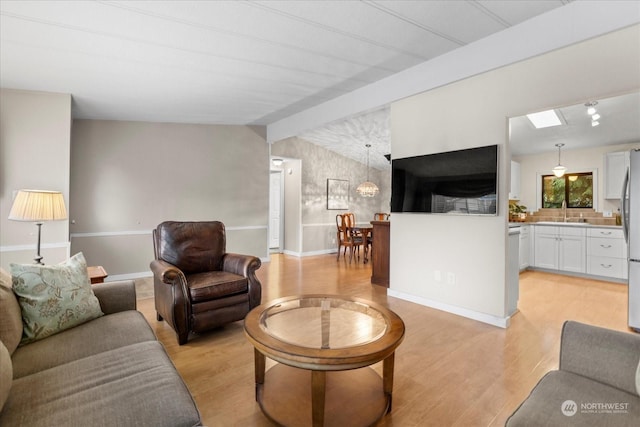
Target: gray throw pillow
<point>54,297</point>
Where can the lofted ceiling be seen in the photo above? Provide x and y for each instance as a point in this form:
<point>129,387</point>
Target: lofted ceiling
<point>236,62</point>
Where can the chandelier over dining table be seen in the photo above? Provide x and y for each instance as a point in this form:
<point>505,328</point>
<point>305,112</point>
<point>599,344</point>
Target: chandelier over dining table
<point>367,188</point>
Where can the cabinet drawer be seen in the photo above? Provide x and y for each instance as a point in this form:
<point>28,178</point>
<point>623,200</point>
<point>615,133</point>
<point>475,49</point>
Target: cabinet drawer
<point>612,233</point>
<point>608,267</point>
<point>600,246</point>
<point>546,230</point>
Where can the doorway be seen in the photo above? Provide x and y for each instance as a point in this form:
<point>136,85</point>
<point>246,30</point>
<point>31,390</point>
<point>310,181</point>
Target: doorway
<point>276,201</point>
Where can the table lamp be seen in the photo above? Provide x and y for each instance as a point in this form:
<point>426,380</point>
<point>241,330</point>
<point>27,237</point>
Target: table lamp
<point>38,206</point>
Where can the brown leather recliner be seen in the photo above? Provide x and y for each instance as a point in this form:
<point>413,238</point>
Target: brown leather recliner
<point>197,285</point>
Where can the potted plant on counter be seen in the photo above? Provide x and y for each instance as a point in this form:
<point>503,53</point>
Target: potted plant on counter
<point>517,213</point>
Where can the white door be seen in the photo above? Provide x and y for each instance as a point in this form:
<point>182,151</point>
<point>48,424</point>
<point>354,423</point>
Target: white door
<point>275,208</point>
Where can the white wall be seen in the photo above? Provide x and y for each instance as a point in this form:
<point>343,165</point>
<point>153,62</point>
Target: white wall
<point>474,112</point>
<point>127,177</point>
<point>35,134</point>
<point>584,160</point>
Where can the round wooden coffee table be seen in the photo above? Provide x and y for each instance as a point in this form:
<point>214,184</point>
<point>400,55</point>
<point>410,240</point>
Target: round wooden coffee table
<point>331,336</point>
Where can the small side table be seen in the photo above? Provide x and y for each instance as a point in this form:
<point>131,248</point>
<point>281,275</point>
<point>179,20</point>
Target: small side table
<point>97,274</point>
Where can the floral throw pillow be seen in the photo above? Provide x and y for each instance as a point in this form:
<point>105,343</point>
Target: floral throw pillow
<point>54,297</point>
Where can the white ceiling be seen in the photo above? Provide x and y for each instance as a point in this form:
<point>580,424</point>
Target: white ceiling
<point>235,62</point>
<point>619,124</point>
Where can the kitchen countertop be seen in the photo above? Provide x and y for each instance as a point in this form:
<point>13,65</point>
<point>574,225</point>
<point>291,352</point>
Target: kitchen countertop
<point>564,224</point>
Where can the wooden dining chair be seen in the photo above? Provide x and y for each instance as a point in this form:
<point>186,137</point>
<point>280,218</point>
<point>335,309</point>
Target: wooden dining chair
<point>346,236</point>
<point>380,216</point>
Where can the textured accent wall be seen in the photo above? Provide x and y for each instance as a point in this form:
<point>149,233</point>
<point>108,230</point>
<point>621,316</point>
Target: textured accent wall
<point>318,165</point>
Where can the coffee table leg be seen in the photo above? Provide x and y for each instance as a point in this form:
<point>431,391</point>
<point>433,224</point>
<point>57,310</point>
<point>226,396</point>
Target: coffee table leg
<point>387,378</point>
<point>318,384</point>
<point>259,359</point>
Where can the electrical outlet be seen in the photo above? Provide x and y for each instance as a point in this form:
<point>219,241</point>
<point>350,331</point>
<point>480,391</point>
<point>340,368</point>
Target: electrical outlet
<point>451,278</point>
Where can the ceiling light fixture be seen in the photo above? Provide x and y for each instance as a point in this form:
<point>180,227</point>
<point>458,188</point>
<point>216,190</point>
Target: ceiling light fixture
<point>559,170</point>
<point>367,188</point>
<point>544,119</point>
<point>591,107</point>
<point>595,123</point>
<point>277,162</point>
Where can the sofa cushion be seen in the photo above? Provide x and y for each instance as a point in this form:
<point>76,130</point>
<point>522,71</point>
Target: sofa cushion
<point>585,402</point>
<point>135,385</point>
<point>6,374</point>
<point>102,334</point>
<point>10,315</point>
<point>54,297</point>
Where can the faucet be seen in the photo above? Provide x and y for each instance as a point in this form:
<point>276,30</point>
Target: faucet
<point>564,210</point>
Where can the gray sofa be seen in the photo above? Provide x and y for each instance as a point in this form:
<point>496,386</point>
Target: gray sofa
<point>110,371</point>
<point>597,384</point>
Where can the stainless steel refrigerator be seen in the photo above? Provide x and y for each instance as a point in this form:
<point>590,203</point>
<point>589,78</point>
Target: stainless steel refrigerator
<point>631,225</point>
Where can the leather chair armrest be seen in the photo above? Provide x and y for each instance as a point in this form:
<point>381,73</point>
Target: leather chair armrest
<point>245,265</point>
<point>166,272</point>
<point>242,265</point>
<point>115,296</point>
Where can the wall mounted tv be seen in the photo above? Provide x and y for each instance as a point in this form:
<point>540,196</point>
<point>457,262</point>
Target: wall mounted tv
<point>459,182</point>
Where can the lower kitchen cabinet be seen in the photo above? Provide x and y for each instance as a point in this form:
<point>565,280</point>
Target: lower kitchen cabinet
<point>560,248</point>
<point>606,253</point>
<point>524,247</point>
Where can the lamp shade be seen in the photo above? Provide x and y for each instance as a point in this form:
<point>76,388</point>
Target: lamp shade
<point>559,171</point>
<point>38,205</point>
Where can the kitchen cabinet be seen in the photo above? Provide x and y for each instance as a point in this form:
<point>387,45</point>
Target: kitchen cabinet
<point>513,279</point>
<point>524,247</point>
<point>615,166</point>
<point>514,190</point>
<point>560,248</point>
<point>606,253</point>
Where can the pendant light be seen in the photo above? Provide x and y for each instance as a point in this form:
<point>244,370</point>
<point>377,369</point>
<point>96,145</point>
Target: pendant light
<point>559,170</point>
<point>367,188</point>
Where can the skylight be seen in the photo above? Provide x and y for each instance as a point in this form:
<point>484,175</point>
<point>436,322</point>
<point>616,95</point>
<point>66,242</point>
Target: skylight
<point>544,119</point>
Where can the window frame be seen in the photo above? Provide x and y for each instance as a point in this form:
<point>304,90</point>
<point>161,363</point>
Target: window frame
<point>567,186</point>
<point>595,179</point>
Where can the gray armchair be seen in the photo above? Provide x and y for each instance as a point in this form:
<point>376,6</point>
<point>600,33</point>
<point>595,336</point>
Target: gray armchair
<point>597,384</point>
<point>198,286</point>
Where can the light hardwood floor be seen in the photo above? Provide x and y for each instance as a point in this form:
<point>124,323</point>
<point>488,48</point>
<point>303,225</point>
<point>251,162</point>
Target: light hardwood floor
<point>449,371</point>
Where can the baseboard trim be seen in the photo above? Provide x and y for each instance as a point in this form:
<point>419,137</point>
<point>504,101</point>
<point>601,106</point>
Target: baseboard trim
<point>501,322</point>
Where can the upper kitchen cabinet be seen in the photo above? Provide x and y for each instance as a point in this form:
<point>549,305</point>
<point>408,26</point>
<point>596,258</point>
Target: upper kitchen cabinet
<point>615,166</point>
<point>514,192</point>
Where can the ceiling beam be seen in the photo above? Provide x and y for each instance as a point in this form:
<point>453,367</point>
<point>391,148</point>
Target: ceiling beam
<point>561,27</point>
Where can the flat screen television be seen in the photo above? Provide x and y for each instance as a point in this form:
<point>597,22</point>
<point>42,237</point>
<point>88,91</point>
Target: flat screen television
<point>459,182</point>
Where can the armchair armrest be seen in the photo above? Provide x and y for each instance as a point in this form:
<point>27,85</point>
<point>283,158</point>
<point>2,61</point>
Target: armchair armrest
<point>115,296</point>
<point>610,357</point>
<point>165,271</point>
<point>242,265</point>
<point>245,265</point>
